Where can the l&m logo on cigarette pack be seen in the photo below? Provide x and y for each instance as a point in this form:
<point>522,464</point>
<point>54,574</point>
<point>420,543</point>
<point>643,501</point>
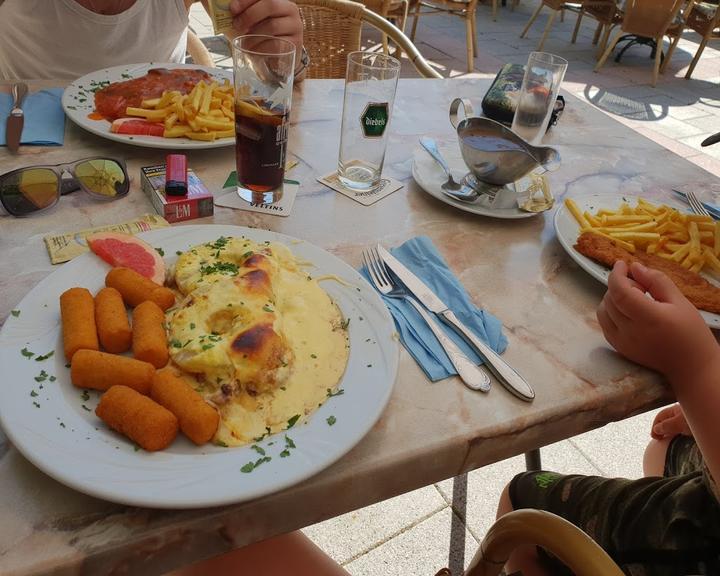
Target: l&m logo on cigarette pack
<point>198,202</point>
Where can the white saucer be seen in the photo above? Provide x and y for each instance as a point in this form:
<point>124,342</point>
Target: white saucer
<point>430,177</point>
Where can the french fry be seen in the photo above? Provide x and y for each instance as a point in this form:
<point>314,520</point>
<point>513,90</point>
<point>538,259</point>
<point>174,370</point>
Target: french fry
<point>691,240</point>
<point>207,111</point>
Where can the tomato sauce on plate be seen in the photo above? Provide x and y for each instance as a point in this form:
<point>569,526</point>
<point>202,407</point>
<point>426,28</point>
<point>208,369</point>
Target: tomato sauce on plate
<point>112,101</point>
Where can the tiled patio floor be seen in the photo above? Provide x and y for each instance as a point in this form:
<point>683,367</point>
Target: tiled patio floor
<point>419,532</point>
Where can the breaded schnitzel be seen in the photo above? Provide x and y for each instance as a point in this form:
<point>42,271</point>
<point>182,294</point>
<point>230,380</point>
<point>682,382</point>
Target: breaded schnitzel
<point>699,291</point>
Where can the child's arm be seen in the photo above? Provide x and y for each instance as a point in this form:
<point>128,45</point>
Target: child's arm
<point>667,334</point>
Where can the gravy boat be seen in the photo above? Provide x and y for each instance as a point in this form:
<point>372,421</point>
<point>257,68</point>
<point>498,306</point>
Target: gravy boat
<point>495,154</point>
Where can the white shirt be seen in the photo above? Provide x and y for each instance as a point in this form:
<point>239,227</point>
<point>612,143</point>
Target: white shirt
<point>62,39</point>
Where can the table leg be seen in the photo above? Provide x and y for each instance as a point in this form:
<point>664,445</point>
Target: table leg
<point>532,460</point>
<point>456,554</point>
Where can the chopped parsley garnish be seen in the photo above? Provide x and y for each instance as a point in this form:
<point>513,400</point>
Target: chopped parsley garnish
<point>67,365</point>
<point>188,342</point>
<point>85,408</point>
<point>227,268</point>
<point>248,254</point>
<point>25,352</point>
<point>267,308</point>
<point>285,453</point>
<point>338,392</point>
<point>72,107</point>
<point>42,376</point>
<point>52,378</point>
<point>331,420</point>
<point>45,356</point>
<point>36,405</point>
<point>175,343</point>
<point>219,244</point>
<point>62,424</point>
<point>258,449</point>
<point>207,346</point>
<point>345,323</point>
<point>33,394</point>
<point>267,433</point>
<point>192,325</point>
<point>160,251</point>
<point>369,365</point>
<point>292,421</point>
<point>85,396</point>
<point>313,355</point>
<point>250,466</point>
<point>220,443</point>
<point>289,442</point>
<point>136,447</point>
<point>15,313</point>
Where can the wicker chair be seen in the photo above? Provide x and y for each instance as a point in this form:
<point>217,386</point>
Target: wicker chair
<point>705,20</point>
<point>559,7</point>
<point>464,9</point>
<point>333,29</point>
<point>652,19</point>
<point>567,542</point>
<point>513,5</point>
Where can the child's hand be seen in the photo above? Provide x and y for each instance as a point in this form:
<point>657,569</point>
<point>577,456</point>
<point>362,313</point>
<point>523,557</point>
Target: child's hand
<point>670,422</point>
<point>665,333</point>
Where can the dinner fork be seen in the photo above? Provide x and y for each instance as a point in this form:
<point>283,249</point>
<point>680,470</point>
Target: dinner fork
<point>695,204</point>
<point>471,374</point>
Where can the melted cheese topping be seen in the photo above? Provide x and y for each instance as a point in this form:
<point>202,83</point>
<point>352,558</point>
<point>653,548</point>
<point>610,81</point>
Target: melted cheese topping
<point>294,337</point>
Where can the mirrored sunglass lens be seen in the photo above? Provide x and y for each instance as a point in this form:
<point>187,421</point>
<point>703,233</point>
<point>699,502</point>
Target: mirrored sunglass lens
<point>103,177</point>
<point>29,190</point>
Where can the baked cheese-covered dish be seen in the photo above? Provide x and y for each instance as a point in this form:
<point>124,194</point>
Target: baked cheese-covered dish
<point>261,339</point>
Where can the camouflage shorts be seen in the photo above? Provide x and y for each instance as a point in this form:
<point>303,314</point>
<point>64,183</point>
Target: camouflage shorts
<point>667,526</point>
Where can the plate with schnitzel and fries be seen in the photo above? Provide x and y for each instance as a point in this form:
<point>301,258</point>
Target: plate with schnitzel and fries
<point>156,105</point>
<point>597,230</point>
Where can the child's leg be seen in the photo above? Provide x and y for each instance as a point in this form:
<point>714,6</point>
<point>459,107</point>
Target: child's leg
<point>654,457</point>
<point>524,559</point>
<point>292,553</point>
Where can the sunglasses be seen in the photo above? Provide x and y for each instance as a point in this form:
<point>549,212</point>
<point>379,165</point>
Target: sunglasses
<point>33,189</point>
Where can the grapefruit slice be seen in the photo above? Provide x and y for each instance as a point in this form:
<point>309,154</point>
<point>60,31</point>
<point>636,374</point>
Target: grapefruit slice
<point>118,249</point>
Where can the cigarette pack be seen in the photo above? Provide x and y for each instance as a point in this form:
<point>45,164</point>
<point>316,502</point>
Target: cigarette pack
<point>220,15</point>
<point>197,203</point>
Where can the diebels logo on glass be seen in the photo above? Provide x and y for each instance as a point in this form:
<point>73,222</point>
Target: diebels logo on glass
<point>374,119</point>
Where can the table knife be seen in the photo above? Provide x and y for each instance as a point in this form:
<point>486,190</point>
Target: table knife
<point>16,119</point>
<point>507,376</point>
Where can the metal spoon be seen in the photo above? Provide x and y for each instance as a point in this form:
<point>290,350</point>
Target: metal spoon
<point>431,146</point>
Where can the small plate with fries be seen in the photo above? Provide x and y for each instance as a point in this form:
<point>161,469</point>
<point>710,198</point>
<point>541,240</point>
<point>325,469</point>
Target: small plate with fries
<point>203,118</point>
<point>661,228</point>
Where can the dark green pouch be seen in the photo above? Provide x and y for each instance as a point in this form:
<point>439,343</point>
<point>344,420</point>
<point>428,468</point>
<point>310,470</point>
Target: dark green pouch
<point>501,98</point>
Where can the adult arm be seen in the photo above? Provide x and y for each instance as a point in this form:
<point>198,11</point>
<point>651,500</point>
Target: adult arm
<point>279,18</point>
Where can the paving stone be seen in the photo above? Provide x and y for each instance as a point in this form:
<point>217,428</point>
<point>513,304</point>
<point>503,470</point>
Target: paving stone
<point>421,551</point>
<point>351,535</point>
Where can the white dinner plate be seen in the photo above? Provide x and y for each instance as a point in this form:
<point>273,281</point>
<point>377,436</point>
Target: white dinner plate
<point>430,177</point>
<point>53,424</point>
<point>78,102</point>
<point>568,230</point>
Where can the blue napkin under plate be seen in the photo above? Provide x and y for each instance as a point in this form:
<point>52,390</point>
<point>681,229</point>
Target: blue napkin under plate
<point>44,117</point>
<point>422,258</point>
<point>713,209</point>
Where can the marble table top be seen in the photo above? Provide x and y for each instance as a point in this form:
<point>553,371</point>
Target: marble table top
<point>430,431</point>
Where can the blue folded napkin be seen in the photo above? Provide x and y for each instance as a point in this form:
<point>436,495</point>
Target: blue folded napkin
<point>420,255</point>
<point>44,117</point>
